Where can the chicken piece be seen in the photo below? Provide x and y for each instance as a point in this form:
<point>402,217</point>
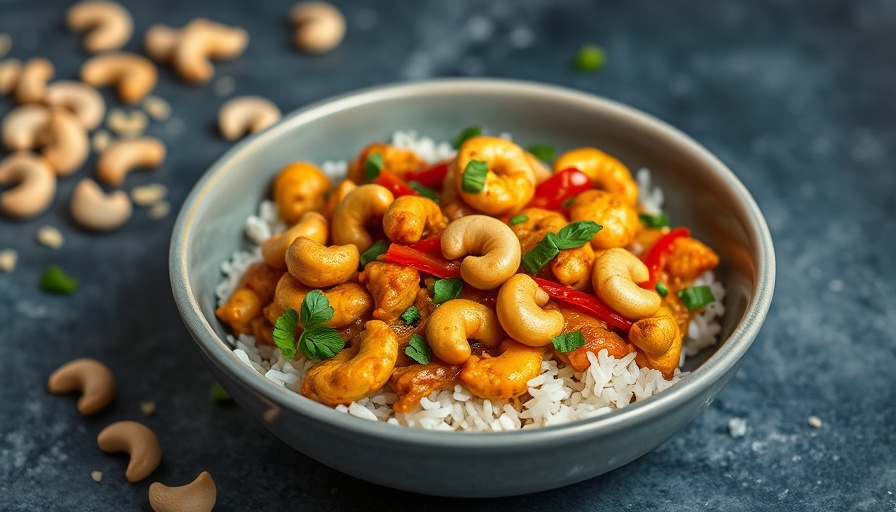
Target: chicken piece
<point>689,258</point>
<point>262,279</point>
<point>539,220</point>
<point>393,287</point>
<point>412,383</point>
<point>240,310</point>
<point>597,337</point>
<point>263,331</point>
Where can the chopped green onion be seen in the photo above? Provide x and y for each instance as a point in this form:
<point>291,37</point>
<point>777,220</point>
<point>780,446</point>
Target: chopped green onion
<point>55,280</point>
<point>315,309</point>
<point>696,297</point>
<point>218,393</point>
<point>285,332</point>
<point>373,165</point>
<point>517,219</point>
<point>543,152</point>
<point>569,341</point>
<point>418,349</point>
<point>576,234</point>
<point>654,221</point>
<point>376,250</point>
<point>467,133</point>
<point>474,176</point>
<point>568,202</point>
<point>541,254</point>
<point>425,191</point>
<point>591,57</point>
<point>410,315</point>
<point>444,290</point>
<point>662,290</point>
<point>321,342</point>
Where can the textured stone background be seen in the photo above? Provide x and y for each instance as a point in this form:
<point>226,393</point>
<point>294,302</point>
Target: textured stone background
<point>795,96</point>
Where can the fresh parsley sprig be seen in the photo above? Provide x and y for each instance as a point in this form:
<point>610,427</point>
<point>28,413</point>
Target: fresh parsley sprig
<point>317,341</point>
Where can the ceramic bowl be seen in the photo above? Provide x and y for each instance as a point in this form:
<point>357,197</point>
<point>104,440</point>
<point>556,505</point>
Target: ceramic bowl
<point>701,192</point>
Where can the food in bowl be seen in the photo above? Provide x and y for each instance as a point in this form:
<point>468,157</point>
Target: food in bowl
<point>476,289</point>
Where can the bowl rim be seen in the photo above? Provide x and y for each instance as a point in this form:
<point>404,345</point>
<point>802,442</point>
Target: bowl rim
<point>714,368</point>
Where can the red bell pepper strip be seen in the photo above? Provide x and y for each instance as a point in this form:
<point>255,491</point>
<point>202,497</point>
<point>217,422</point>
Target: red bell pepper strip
<point>655,259</point>
<point>431,245</point>
<point>584,302</point>
<point>396,185</point>
<point>432,177</point>
<point>424,262</point>
<point>554,191</point>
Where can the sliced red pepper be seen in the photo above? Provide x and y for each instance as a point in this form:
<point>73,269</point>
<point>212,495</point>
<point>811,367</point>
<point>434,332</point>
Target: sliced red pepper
<point>432,177</point>
<point>655,259</point>
<point>396,185</point>
<point>424,262</point>
<point>554,191</point>
<point>584,302</point>
<point>431,245</point>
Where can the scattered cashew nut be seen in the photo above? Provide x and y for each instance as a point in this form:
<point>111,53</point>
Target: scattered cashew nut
<point>134,74</point>
<point>22,124</point>
<point>138,441</point>
<point>110,25</point>
<point>615,277</point>
<point>359,207</point>
<point>81,99</point>
<point>64,141</point>
<point>318,266</point>
<point>124,156</point>
<point>32,84</point>
<point>36,184</point>
<point>311,225</point>
<point>246,114</point>
<point>92,378</point>
<point>203,40</point>
<point>455,322</point>
<point>519,308</point>
<point>197,496</point>
<point>93,209</point>
<point>10,69</point>
<point>319,26</point>
<point>490,250</point>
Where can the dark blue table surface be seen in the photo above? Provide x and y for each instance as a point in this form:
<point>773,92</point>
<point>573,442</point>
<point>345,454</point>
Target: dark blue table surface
<point>795,96</point>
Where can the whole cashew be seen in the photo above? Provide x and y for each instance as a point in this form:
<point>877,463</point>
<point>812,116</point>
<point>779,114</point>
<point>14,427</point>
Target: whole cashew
<point>126,155</point>
<point>519,309</point>
<point>659,342</point>
<point>503,377</point>
<point>202,40</point>
<point>32,83</point>
<point>360,206</point>
<point>509,182</point>
<point>110,25</point>
<point>92,378</point>
<point>136,440</point>
<point>349,301</point>
<point>615,277</point>
<point>318,266</point>
<point>160,41</point>
<point>22,125</point>
<point>197,496</point>
<point>320,26</point>
<point>10,70</point>
<point>604,171</point>
<point>65,142</point>
<point>134,75</point>
<point>408,217</point>
<point>93,209</point>
<point>490,250</point>
<point>246,114</point>
<point>452,324</point>
<point>299,188</point>
<point>36,184</point>
<point>354,374</point>
<point>81,99</point>
<point>240,310</point>
<point>311,225</point>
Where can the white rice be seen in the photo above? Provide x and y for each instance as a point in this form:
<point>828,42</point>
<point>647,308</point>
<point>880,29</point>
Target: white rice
<point>558,395</point>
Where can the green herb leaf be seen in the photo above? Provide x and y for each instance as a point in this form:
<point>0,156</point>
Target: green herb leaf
<point>285,332</point>
<point>543,152</point>
<point>569,341</point>
<point>468,133</point>
<point>376,250</point>
<point>474,177</point>
<point>418,349</point>
<point>373,165</point>
<point>321,342</point>
<point>654,221</point>
<point>567,203</point>
<point>55,280</point>
<point>218,393</point>
<point>541,254</point>
<point>446,289</point>
<point>425,191</point>
<point>696,297</point>
<point>577,234</point>
<point>662,290</point>
<point>410,315</point>
<point>316,309</point>
<point>519,218</point>
<point>591,57</point>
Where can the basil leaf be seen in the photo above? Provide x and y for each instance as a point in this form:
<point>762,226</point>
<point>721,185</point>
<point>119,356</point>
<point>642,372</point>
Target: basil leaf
<point>541,254</point>
<point>321,342</point>
<point>285,332</point>
<point>662,290</point>
<point>315,309</point>
<point>467,133</point>
<point>474,177</point>
<point>55,280</point>
<point>519,218</point>
<point>425,191</point>
<point>591,57</point>
<point>577,234</point>
<point>654,221</point>
<point>569,341</point>
<point>376,250</point>
<point>543,152</point>
<point>410,315</point>
<point>446,289</point>
<point>696,297</point>
<point>373,165</point>
<point>418,349</point>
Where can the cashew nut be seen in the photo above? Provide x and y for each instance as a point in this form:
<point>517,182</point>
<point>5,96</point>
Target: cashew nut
<point>93,209</point>
<point>604,171</point>
<point>92,378</point>
<point>320,26</point>
<point>490,250</point>
<point>126,155</point>
<point>22,124</point>
<point>409,217</point>
<point>134,75</point>
<point>110,25</point>
<point>246,114</point>
<point>202,40</point>
<point>509,182</point>
<point>32,83</point>
<point>360,206</point>
<point>318,266</point>
<point>505,376</point>
<point>10,70</point>
<point>299,188</point>
<point>519,309</point>
<point>197,496</point>
<point>615,277</point>
<point>160,41</point>
<point>64,141</point>
<point>659,342</point>
<point>311,225</point>
<point>355,373</point>
<point>138,441</point>
<point>81,99</point>
<point>36,184</point>
<point>452,324</point>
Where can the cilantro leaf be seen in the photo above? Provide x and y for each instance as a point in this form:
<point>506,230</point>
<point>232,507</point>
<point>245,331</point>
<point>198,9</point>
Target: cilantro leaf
<point>285,332</point>
<point>474,177</point>
<point>444,290</point>
<point>569,341</point>
<point>410,315</point>
<point>467,133</point>
<point>320,342</point>
<point>316,309</point>
<point>418,349</point>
